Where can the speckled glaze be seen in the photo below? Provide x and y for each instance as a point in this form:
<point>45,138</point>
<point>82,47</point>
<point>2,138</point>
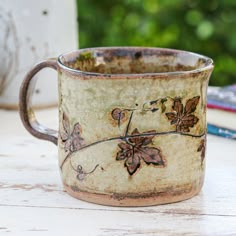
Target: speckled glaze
<point>132,124</point>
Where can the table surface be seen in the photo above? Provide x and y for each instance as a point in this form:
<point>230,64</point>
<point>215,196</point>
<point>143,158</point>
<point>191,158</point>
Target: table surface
<point>33,202</point>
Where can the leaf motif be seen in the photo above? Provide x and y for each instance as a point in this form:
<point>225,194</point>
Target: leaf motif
<point>124,146</point>
<point>121,155</point>
<point>183,128</point>
<point>202,149</point>
<point>64,136</point>
<point>152,155</point>
<point>77,143</point>
<point>132,163</point>
<point>182,117</point>
<point>67,145</point>
<point>172,116</point>
<point>135,132</point>
<point>148,139</point>
<point>66,123</point>
<point>137,139</point>
<point>72,141</point>
<point>178,106</point>
<point>77,130</point>
<point>191,105</point>
<point>141,140</point>
<point>135,148</point>
<point>125,152</point>
<point>189,120</point>
<point>201,146</point>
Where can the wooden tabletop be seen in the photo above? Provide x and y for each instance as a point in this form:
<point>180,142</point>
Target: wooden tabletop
<point>33,202</point>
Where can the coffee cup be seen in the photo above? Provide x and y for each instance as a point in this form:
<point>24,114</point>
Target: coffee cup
<point>132,123</point>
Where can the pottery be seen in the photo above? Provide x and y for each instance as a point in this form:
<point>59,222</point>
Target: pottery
<point>132,123</point>
<point>31,31</point>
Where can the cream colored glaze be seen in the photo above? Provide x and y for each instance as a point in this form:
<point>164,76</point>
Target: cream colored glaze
<point>90,103</point>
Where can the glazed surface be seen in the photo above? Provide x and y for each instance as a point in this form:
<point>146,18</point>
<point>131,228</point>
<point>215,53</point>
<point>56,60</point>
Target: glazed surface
<point>94,159</point>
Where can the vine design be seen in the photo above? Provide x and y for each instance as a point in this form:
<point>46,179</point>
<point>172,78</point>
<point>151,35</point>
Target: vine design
<point>81,174</point>
<point>137,147</point>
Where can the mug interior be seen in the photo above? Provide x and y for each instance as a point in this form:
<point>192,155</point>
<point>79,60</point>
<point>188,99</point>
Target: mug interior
<point>133,60</point>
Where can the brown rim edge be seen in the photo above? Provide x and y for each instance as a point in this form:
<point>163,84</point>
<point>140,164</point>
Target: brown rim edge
<point>209,66</point>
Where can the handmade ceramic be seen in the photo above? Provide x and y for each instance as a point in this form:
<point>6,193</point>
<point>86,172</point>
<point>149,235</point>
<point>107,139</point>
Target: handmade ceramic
<point>132,123</point>
<point>31,31</point>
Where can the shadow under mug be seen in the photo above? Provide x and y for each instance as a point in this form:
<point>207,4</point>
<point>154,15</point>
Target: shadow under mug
<point>132,123</point>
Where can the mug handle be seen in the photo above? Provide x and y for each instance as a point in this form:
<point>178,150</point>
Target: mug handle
<point>25,108</point>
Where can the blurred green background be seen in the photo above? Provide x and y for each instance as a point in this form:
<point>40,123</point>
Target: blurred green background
<point>204,26</point>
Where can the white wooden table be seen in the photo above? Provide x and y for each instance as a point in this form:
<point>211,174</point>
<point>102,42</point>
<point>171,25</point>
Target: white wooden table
<point>33,202</point>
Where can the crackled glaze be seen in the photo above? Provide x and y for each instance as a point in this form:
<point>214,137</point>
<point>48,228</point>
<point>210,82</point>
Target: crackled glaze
<point>96,104</point>
<point>132,124</point>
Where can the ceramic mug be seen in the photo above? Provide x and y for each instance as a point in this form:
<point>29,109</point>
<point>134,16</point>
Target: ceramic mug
<point>132,123</point>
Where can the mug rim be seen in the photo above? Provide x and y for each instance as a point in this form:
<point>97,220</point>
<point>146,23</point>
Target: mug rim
<point>209,62</point>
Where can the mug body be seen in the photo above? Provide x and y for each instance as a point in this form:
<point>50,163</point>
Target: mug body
<point>132,124</point>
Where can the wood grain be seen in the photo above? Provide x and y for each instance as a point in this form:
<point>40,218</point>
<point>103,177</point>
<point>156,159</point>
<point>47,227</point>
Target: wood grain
<point>33,202</point>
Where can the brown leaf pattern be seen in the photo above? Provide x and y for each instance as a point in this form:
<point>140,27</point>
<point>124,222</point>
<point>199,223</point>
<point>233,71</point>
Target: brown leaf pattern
<point>135,149</point>
<point>72,140</point>
<point>182,116</point>
<point>202,149</point>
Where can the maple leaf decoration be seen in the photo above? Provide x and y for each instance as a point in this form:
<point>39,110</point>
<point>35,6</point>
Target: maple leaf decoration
<point>202,149</point>
<point>182,116</point>
<point>135,149</point>
<point>72,140</point>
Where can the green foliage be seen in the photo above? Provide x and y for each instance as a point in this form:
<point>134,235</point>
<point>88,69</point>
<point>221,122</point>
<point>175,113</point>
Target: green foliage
<point>206,27</point>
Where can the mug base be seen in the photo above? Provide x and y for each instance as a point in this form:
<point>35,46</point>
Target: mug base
<point>134,200</point>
